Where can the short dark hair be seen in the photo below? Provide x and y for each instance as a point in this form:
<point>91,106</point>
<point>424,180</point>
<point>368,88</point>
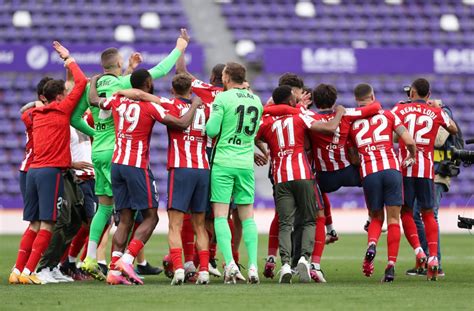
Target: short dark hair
<point>108,58</point>
<point>324,95</point>
<point>236,72</point>
<point>41,84</point>
<point>53,88</point>
<point>139,77</point>
<point>422,87</point>
<point>217,72</point>
<point>181,83</point>
<point>291,79</point>
<point>362,90</point>
<point>282,94</point>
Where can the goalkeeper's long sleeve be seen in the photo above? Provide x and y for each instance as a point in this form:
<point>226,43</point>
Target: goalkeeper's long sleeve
<point>76,118</point>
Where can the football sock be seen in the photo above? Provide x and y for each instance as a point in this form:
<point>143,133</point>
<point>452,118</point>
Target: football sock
<point>203,260</point>
<point>250,236</point>
<point>224,237</point>
<point>187,239</point>
<point>393,242</point>
<point>84,252</point>
<point>319,240</point>
<point>327,212</point>
<point>374,231</point>
<point>101,217</point>
<point>409,228</point>
<point>78,243</point>
<point>212,245</point>
<point>24,250</point>
<point>273,236</point>
<point>176,258</point>
<point>115,257</point>
<point>39,246</point>
<point>133,249</point>
<point>431,231</point>
<point>142,263</point>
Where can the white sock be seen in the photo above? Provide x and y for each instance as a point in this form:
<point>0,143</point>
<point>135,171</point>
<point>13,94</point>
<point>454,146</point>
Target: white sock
<point>92,249</point>
<point>372,243</point>
<point>142,263</point>
<point>16,271</point>
<point>115,272</point>
<point>316,266</point>
<point>26,271</point>
<point>72,259</point>
<point>117,254</point>
<point>102,262</point>
<point>391,263</point>
<point>127,258</point>
<point>418,250</point>
<point>329,228</point>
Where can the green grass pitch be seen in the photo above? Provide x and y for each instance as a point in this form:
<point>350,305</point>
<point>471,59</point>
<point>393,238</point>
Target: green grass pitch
<point>347,288</point>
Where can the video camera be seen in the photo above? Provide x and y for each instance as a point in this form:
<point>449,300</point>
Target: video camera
<point>463,155</point>
<point>465,222</point>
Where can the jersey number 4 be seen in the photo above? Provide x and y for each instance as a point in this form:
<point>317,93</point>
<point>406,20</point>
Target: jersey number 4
<point>199,121</point>
<point>131,114</point>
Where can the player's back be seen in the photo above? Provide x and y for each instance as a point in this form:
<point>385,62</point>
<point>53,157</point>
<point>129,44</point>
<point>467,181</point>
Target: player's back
<point>423,122</point>
<point>134,122</point>
<point>374,140</point>
<point>285,136</point>
<point>241,112</point>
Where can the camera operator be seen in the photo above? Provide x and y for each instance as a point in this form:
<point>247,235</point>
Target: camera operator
<point>444,170</point>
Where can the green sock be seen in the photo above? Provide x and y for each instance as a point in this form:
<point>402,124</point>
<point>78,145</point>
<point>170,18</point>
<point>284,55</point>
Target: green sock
<point>101,217</point>
<point>250,236</point>
<point>224,238</point>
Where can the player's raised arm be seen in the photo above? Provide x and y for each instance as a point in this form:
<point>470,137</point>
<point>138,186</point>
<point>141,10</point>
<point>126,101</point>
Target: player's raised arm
<point>137,94</point>
<point>133,62</point>
<point>213,125</point>
<point>331,126</point>
<point>186,120</point>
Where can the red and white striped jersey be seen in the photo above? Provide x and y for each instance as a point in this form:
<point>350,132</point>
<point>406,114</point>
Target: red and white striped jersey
<point>187,149</point>
<point>423,122</point>
<point>134,122</point>
<point>285,136</point>
<point>374,140</point>
<point>27,119</point>
<point>206,92</point>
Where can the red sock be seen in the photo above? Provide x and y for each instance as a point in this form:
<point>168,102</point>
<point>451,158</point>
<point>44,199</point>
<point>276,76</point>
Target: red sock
<point>187,238</point>
<point>114,258</point>
<point>84,252</point>
<point>24,250</point>
<point>134,247</point>
<point>409,228</point>
<point>65,254</point>
<point>319,240</point>
<point>39,246</point>
<point>78,242</point>
<point>393,241</point>
<point>375,230</point>
<point>176,258</point>
<point>327,209</point>
<point>204,260</point>
<point>431,231</point>
<point>273,236</point>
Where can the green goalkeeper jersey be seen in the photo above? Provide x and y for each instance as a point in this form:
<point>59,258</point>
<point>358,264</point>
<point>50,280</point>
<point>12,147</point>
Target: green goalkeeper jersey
<point>107,85</point>
<point>235,117</point>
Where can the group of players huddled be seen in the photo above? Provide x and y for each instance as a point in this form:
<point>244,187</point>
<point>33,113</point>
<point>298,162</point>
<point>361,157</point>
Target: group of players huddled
<point>212,137</point>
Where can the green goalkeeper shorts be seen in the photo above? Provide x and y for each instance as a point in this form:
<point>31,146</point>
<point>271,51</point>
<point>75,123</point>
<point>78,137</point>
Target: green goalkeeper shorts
<point>227,182</point>
<point>102,161</point>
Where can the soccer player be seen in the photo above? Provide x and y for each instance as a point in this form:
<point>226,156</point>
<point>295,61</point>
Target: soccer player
<point>104,139</point>
<point>382,179</point>
<point>133,184</point>
<point>235,118</point>
<point>44,187</point>
<point>188,179</point>
<point>423,122</point>
<point>295,189</point>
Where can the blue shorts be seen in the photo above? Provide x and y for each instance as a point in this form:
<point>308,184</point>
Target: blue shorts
<point>44,194</point>
<point>383,188</point>
<point>346,177</point>
<point>188,190</point>
<point>23,185</point>
<point>133,187</point>
<point>90,199</point>
<point>421,189</point>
